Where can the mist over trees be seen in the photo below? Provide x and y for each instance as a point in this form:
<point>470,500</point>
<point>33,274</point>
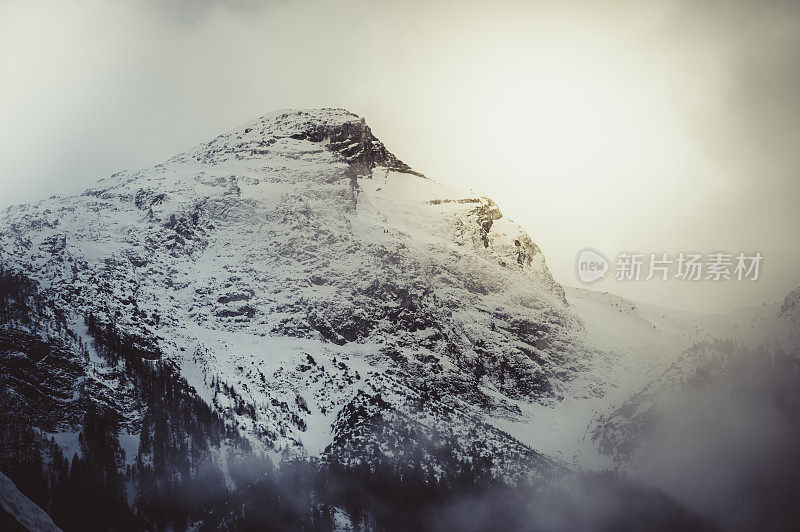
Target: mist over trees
<point>725,442</point>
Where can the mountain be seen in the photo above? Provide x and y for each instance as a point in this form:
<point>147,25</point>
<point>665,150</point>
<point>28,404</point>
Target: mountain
<point>288,327</point>
<point>288,289</point>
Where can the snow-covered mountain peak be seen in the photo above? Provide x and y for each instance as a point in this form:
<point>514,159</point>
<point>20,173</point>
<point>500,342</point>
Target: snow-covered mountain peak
<point>292,269</point>
<point>344,135</point>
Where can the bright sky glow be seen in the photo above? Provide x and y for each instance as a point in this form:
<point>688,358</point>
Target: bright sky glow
<point>642,126</point>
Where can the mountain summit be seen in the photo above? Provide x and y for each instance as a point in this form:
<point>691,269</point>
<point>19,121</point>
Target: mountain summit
<point>338,131</point>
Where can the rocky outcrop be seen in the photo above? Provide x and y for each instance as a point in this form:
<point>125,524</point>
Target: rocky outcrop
<point>354,142</point>
<point>346,136</point>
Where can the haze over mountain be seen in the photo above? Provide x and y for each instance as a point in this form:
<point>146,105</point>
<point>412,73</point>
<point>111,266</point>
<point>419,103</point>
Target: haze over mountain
<point>291,295</point>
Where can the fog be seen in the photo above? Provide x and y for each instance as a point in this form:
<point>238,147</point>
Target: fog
<point>714,446</point>
<point>717,450</point>
<point>643,126</point>
<point>605,501</point>
<point>725,442</point>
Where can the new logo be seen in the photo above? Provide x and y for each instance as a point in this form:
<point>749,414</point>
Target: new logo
<point>591,266</point>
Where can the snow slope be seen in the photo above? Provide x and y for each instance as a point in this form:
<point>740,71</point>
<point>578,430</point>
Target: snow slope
<point>22,511</point>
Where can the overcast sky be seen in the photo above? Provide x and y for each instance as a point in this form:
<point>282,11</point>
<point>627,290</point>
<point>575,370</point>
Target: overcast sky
<point>655,127</point>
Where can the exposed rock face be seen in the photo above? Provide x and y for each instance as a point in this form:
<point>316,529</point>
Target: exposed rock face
<point>354,141</point>
<point>340,132</point>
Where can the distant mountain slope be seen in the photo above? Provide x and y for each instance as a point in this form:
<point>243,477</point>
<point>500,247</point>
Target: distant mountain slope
<point>718,428</point>
<point>639,343</point>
